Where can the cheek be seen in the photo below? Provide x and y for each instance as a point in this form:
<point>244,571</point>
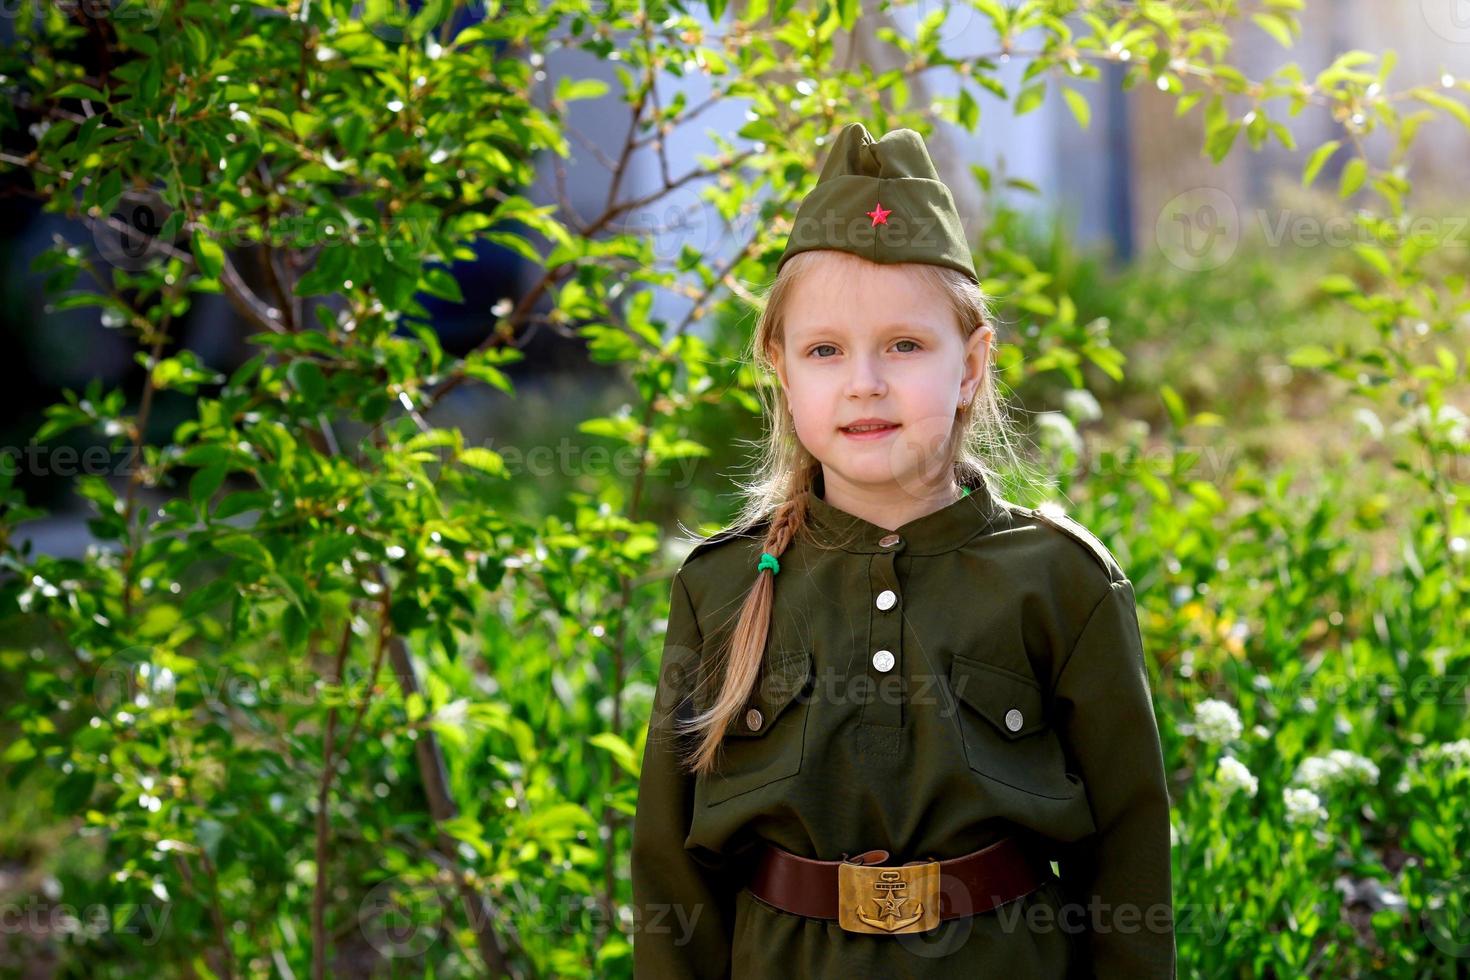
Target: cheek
<point>810,403</point>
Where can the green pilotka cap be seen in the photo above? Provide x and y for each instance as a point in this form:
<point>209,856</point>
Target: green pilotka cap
<point>883,200</point>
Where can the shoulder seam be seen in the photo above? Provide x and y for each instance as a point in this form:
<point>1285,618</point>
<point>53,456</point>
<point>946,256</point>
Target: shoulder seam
<point>1089,541</point>
<point>719,537</point>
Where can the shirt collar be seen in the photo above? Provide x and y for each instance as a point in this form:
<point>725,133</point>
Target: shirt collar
<point>946,529</point>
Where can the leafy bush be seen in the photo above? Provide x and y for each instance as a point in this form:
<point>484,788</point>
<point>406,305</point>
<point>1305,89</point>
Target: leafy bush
<point>341,688</point>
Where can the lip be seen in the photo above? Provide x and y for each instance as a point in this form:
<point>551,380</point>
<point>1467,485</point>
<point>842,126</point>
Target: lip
<point>871,434</point>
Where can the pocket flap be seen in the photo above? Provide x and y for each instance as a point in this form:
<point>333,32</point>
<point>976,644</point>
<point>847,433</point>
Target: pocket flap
<point>782,678</point>
<point>1009,701</point>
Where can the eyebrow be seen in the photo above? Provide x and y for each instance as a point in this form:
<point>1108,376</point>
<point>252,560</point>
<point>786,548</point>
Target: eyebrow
<point>900,326</point>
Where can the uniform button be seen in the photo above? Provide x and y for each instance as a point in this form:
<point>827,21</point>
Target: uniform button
<point>883,661</point>
<point>1014,720</point>
<point>887,599</point>
<point>889,540</point>
<point>753,719</point>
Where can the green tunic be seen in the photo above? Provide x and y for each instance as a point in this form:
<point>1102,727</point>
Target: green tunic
<point>1013,699</point>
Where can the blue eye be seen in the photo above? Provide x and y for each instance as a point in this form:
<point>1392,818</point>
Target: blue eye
<point>914,342</point>
<point>821,347</point>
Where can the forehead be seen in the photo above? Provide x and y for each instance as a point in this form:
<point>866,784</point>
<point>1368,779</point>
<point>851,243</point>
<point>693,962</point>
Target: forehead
<point>846,292</point>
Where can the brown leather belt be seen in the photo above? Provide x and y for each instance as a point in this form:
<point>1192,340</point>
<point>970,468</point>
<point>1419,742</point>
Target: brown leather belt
<point>864,896</point>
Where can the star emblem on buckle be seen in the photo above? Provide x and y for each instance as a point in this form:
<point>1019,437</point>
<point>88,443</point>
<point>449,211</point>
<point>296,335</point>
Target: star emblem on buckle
<point>888,900</point>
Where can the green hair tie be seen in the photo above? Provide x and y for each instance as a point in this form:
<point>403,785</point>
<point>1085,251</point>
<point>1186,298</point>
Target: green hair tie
<point>768,560</point>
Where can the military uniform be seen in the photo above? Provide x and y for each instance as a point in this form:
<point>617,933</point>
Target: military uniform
<point>974,675</point>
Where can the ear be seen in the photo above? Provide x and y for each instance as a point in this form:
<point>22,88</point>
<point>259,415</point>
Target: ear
<point>977,356</point>
<point>778,361</point>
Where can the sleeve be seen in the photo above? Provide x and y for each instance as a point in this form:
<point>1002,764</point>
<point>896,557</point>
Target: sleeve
<point>683,898</point>
<point>1120,876</point>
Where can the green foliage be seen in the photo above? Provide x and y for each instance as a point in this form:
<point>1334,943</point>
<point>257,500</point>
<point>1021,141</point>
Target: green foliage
<point>335,671</point>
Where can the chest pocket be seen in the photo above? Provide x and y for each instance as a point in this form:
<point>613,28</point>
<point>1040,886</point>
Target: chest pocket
<point>764,742</point>
<point>1007,737</point>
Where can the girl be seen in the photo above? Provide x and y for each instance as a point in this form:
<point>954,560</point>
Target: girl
<point>903,727</point>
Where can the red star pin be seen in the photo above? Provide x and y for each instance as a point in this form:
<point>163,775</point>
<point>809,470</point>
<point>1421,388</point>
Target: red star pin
<point>879,216</point>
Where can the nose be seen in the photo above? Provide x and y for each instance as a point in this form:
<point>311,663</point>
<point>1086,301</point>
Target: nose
<point>865,380</point>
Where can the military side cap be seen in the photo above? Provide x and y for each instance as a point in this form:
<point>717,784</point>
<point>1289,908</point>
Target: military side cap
<point>883,200</point>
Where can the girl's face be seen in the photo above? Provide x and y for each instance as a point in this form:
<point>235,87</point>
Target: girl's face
<point>875,366</point>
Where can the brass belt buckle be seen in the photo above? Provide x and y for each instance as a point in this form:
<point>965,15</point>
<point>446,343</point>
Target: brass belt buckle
<point>888,901</point>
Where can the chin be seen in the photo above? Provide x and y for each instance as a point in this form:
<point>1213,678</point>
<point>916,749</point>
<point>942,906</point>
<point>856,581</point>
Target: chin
<point>873,474</point>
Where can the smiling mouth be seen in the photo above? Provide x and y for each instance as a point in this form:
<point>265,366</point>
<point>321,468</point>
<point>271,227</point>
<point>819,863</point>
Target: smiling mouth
<point>868,427</point>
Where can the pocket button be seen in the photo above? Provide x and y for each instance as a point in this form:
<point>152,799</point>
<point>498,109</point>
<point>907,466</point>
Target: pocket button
<point>1014,721</point>
<point>753,719</point>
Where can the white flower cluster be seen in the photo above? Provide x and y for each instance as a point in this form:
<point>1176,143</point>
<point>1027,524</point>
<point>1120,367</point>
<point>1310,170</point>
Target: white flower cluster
<point>1216,722</point>
<point>1447,755</point>
<point>1456,753</point>
<point>1232,775</point>
<point>1303,807</point>
<point>1337,768</point>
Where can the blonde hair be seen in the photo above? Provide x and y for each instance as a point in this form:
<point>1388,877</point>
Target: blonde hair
<point>785,472</point>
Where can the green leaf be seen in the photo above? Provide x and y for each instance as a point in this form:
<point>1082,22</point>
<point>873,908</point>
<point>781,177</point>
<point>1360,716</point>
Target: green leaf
<point>439,281</point>
<point>208,255</point>
<point>78,90</point>
<point>1375,257</point>
<point>205,482</point>
<point>245,546</point>
<point>74,792</point>
<point>568,88</point>
<point>1078,103</point>
<point>1311,356</point>
<point>1220,140</point>
<point>1319,157</point>
<point>484,460</point>
<point>1276,26</point>
<point>1030,97</point>
<point>620,750</point>
<point>1439,100</point>
<point>1175,405</point>
<point>1352,177</point>
<point>307,379</point>
<point>967,110</point>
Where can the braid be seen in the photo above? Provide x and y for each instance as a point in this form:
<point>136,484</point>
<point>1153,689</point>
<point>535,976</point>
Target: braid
<point>746,651</point>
